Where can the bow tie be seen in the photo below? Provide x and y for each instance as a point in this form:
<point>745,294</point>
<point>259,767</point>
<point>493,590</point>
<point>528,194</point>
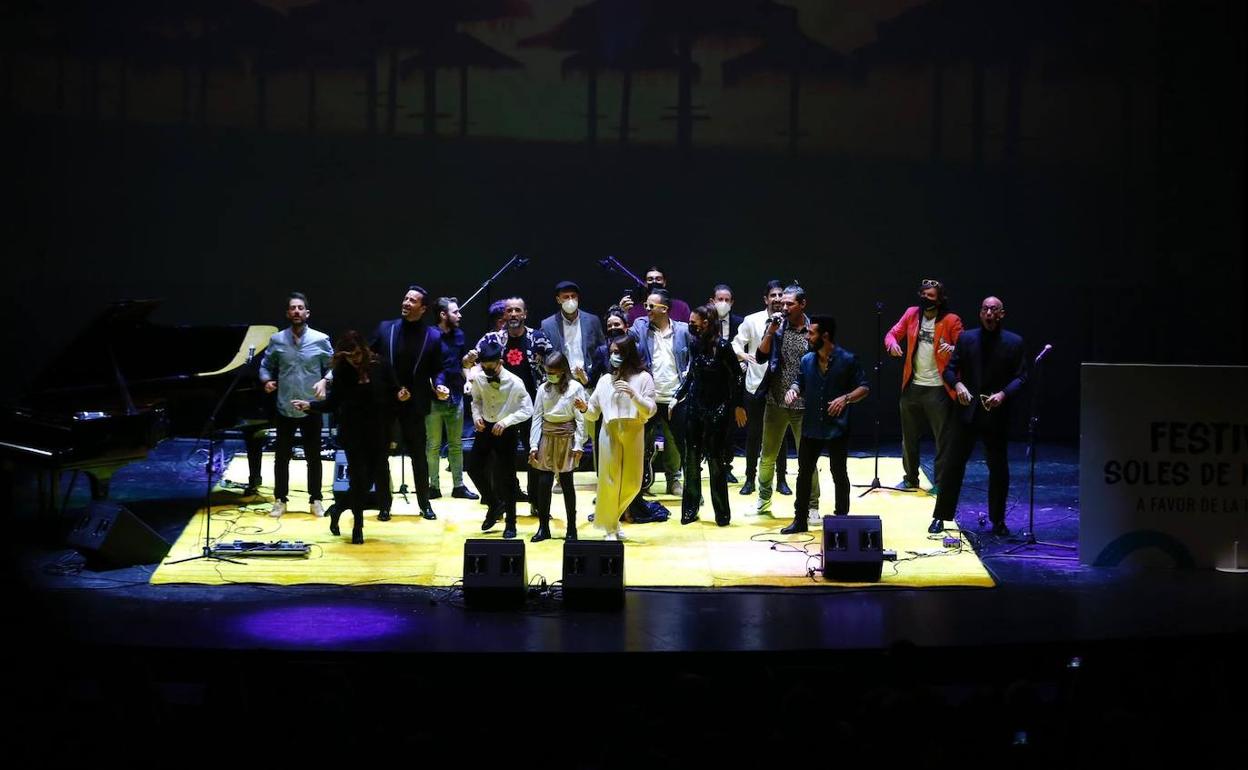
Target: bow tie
<point>493,378</point>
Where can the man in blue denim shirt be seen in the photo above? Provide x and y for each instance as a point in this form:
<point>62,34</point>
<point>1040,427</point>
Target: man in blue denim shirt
<point>448,415</point>
<point>295,363</point>
<point>831,379</point>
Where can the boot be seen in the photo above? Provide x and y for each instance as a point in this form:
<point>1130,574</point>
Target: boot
<point>509,525</point>
<point>334,515</point>
<point>798,525</point>
<point>543,529</point>
<point>357,530</point>
<point>571,533</point>
<point>748,487</point>
<point>782,486</point>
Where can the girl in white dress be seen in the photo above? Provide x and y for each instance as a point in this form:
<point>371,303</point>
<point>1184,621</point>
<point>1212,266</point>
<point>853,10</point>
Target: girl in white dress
<point>624,400</point>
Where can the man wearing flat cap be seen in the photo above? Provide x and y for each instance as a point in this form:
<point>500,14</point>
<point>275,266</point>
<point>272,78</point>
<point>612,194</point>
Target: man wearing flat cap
<point>573,333</point>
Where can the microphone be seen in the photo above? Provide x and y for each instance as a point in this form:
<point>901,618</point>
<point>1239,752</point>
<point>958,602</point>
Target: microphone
<point>251,353</point>
<point>1043,353</point>
<point>521,262</point>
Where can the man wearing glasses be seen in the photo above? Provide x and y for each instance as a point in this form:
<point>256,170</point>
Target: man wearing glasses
<point>930,332</point>
<point>678,310</point>
<point>987,371</point>
<point>664,346</point>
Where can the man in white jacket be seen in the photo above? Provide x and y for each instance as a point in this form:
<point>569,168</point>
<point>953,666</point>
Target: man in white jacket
<point>500,403</point>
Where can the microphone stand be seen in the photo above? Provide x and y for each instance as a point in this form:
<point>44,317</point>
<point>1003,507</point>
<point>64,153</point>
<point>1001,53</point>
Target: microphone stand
<point>518,262</point>
<point>879,368</point>
<point>1030,537</point>
<point>210,432</point>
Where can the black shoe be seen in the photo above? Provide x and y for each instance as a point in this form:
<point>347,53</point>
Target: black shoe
<point>522,497</point>
<point>357,536</point>
<point>1000,530</point>
<point>383,516</point>
<point>783,488</point>
<point>571,534</point>
<point>464,493</point>
<point>543,532</point>
<point>688,518</point>
<point>725,521</point>
<point>798,525</point>
<point>333,525</point>
<point>732,479</point>
<point>434,493</point>
<point>251,490</point>
<point>509,531</point>
<point>491,518</point>
<point>428,514</point>
<point>748,487</point>
<point>938,525</point>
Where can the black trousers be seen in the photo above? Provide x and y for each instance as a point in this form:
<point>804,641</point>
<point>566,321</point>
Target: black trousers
<point>367,468</point>
<point>807,464</point>
<point>994,432</point>
<point>545,490</point>
<point>412,432</point>
<point>309,430</point>
<point>492,468</point>
<point>705,436</point>
<point>253,439</point>
<point>670,420</point>
<point>754,438</point>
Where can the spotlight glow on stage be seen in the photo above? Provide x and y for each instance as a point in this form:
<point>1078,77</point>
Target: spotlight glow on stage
<point>322,625</point>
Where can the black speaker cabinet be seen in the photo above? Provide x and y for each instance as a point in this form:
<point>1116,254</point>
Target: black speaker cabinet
<point>853,548</point>
<point>593,574</point>
<point>110,536</point>
<point>495,575</point>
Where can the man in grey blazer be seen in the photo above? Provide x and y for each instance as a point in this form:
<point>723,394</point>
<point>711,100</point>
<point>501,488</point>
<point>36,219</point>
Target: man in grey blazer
<point>573,333</point>
<point>665,347</point>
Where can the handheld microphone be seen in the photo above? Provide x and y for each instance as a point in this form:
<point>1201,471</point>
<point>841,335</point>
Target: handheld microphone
<point>1043,353</point>
<point>251,353</point>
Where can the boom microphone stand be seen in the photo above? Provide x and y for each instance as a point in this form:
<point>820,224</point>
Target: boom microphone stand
<point>1030,538</point>
<point>210,429</point>
<point>879,368</point>
<point>517,262</point>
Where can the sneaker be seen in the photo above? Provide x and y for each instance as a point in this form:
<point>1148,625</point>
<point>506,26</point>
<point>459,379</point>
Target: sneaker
<point>279,508</point>
<point>764,506</point>
<point>611,536</point>
<point>934,491</point>
<point>318,509</point>
<point>675,488</point>
<point>619,532</point>
<point>814,517</point>
<point>904,484</point>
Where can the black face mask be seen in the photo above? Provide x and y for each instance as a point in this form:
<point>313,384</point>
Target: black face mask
<point>613,333</point>
<point>928,304</point>
<point>653,285</point>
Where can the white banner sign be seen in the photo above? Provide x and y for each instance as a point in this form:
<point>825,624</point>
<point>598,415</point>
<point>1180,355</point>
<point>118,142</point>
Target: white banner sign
<point>1163,465</point>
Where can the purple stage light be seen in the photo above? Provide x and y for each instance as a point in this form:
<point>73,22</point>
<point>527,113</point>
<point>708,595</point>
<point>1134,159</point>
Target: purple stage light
<point>322,625</point>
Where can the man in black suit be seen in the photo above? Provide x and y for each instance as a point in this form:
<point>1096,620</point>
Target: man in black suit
<point>573,333</point>
<point>988,370</point>
<point>413,349</point>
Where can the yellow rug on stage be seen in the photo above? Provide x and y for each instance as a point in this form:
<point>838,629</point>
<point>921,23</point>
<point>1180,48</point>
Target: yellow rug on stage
<point>409,550</point>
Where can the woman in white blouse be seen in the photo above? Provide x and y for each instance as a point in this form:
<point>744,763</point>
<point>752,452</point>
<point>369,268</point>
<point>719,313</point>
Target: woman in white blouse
<point>624,400</point>
<point>557,440</point>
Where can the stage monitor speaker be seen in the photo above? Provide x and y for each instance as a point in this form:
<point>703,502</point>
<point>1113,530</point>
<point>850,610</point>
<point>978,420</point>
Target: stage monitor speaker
<point>495,574</point>
<point>853,548</point>
<point>593,574</point>
<point>342,484</point>
<point>110,536</point>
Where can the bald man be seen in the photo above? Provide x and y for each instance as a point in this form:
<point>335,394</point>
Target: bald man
<point>987,372</point>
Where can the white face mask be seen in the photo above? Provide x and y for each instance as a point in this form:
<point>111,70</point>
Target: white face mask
<point>723,308</point>
<point>570,305</point>
<point>617,360</point>
<point>553,379</point>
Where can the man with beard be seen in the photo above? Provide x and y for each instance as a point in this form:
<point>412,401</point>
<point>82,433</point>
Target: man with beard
<point>664,346</point>
<point>831,378</point>
<point>745,343</point>
<point>295,363</point>
<point>987,371</point>
<point>448,416</point>
<point>413,349</point>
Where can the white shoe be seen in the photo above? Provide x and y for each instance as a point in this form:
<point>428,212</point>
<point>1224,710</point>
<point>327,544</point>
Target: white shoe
<point>764,506</point>
<point>619,533</point>
<point>611,536</point>
<point>814,517</point>
<point>317,509</point>
<point>278,509</point>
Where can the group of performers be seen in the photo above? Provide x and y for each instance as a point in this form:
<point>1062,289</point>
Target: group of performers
<point>651,366</point>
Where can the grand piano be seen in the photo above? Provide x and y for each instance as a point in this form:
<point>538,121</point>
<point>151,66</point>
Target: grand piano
<point>122,386</point>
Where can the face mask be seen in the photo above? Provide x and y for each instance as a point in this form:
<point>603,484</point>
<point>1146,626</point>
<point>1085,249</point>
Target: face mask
<point>613,333</point>
<point>723,308</point>
<point>553,379</point>
<point>569,306</point>
<point>927,304</point>
<point>490,371</point>
<point>696,330</point>
<point>654,285</point>
<point>617,360</point>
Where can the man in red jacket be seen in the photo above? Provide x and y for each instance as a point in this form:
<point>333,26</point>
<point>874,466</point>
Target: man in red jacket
<point>929,331</point>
